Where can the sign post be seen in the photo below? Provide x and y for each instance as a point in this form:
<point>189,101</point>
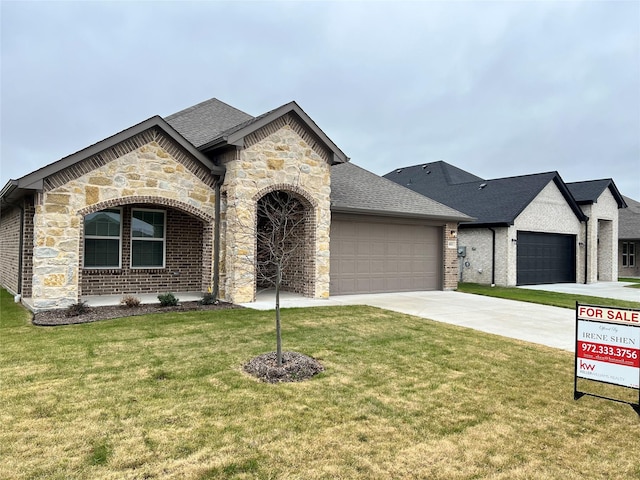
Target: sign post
<point>608,349</point>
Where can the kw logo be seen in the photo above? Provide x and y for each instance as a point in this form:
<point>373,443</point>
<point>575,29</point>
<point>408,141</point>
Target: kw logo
<point>587,366</point>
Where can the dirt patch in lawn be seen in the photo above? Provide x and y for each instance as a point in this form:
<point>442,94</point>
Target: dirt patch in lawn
<point>94,314</point>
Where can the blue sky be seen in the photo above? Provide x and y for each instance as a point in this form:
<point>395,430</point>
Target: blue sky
<point>496,88</point>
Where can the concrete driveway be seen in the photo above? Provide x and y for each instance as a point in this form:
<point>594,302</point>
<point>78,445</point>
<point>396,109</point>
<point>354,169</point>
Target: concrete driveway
<point>541,324</point>
<point>551,326</point>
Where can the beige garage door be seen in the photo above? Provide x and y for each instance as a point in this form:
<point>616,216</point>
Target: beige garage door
<point>377,256</point>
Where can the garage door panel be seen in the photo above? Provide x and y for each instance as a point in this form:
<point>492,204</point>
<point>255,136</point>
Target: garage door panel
<point>377,267</point>
<point>387,257</point>
<point>545,258</point>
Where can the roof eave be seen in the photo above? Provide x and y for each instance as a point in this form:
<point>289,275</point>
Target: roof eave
<point>35,180</point>
<point>466,225</point>
<point>387,213</point>
<point>10,192</point>
<point>564,190</point>
<point>617,195</point>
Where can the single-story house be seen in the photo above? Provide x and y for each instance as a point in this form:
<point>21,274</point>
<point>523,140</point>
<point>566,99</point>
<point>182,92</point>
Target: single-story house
<point>169,205</point>
<point>629,239</point>
<point>531,229</point>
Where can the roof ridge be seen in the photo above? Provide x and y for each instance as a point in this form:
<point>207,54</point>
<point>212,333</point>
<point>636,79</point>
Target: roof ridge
<point>201,104</point>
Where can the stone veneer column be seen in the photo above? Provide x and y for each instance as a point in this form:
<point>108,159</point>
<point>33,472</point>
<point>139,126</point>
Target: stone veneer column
<point>281,158</point>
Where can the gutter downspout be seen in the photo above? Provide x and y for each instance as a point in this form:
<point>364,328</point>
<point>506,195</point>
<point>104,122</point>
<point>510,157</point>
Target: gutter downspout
<point>216,239</point>
<point>586,249</point>
<point>493,257</point>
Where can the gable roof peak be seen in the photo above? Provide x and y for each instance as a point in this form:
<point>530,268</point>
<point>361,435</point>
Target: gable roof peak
<point>203,122</point>
<point>236,134</point>
<point>588,191</point>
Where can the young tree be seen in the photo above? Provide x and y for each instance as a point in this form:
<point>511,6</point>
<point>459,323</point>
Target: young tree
<point>280,235</point>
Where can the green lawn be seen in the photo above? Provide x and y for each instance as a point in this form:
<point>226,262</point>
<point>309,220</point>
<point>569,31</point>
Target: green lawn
<point>164,396</point>
<point>556,299</point>
<point>635,281</point>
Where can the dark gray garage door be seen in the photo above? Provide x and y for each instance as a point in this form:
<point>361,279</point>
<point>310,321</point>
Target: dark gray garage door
<point>378,256</point>
<point>546,258</point>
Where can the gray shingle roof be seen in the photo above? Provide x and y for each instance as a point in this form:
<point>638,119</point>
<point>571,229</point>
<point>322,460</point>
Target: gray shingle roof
<point>354,189</point>
<point>205,121</point>
<point>629,220</point>
<point>589,191</point>
<point>35,180</point>
<point>491,202</point>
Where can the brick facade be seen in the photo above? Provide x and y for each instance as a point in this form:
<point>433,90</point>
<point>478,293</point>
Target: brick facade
<point>548,212</point>
<point>450,257</point>
<point>15,221</point>
<point>183,270</point>
<point>10,231</point>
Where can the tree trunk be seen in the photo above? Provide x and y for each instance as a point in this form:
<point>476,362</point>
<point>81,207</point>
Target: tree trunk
<point>278,336</point>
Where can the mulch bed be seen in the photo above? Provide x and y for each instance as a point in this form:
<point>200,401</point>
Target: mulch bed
<point>296,367</point>
<point>59,317</point>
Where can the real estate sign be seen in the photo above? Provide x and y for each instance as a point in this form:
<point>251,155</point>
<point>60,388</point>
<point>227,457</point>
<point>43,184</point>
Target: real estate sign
<point>608,346</point>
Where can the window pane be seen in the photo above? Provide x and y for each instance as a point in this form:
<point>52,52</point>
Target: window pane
<point>105,223</point>
<point>147,224</point>
<point>147,253</point>
<point>101,253</point>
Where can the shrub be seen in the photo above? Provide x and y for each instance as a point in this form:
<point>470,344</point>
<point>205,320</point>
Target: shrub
<point>168,300</point>
<point>209,299</point>
<point>77,309</point>
<point>130,301</point>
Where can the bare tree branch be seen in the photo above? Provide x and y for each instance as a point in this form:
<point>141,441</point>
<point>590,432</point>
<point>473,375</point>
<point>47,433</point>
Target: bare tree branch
<point>280,232</point>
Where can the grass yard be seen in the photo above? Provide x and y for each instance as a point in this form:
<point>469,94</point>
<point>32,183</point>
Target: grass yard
<point>164,396</point>
<point>544,297</point>
<point>635,281</point>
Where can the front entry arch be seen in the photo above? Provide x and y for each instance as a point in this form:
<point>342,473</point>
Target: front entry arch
<point>285,226</point>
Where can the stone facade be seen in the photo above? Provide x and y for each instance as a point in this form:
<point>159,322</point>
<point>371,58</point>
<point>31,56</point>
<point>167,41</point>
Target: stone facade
<point>280,156</point>
<point>148,169</point>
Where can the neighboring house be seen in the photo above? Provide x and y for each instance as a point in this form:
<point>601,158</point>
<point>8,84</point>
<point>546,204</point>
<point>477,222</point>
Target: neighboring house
<point>528,229</point>
<point>601,202</point>
<point>629,239</point>
<point>169,205</point>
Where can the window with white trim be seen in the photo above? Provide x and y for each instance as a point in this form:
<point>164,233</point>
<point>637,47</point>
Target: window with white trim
<point>148,234</point>
<point>628,254</point>
<point>103,239</point>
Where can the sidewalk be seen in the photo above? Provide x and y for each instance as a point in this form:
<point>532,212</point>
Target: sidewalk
<point>617,290</point>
